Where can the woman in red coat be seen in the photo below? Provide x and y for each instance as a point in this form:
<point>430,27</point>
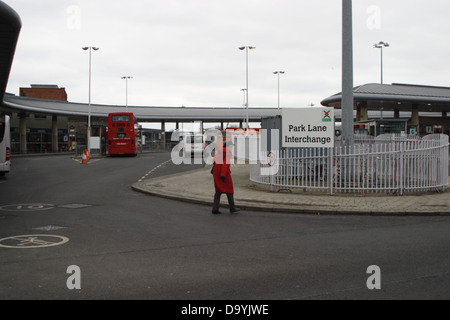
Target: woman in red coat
<point>222,179</point>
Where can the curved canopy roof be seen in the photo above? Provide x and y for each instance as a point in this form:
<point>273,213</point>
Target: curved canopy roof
<point>23,104</point>
<point>390,97</point>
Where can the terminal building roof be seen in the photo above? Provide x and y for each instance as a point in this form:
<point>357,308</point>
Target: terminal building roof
<point>158,114</point>
<point>398,97</point>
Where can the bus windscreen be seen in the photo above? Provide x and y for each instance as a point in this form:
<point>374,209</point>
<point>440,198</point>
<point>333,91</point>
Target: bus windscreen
<point>121,118</point>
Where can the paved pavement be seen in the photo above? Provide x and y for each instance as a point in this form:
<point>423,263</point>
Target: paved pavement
<point>198,187</point>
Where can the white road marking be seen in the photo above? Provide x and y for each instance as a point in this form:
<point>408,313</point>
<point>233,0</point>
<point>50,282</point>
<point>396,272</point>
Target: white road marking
<point>153,170</point>
<point>27,207</point>
<point>33,241</point>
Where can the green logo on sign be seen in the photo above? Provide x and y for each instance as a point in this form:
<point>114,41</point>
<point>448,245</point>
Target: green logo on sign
<point>326,116</point>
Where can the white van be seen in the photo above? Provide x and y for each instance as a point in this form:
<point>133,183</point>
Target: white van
<point>194,145</point>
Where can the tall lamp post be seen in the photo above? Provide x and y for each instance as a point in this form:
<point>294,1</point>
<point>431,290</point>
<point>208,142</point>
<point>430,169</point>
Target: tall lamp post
<point>347,103</point>
<point>247,48</point>
<point>244,104</point>
<point>126,78</point>
<point>90,81</point>
<point>278,73</point>
<point>381,45</point>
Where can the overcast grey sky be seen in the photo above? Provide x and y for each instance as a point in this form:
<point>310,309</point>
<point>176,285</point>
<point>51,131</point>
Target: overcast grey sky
<point>185,52</point>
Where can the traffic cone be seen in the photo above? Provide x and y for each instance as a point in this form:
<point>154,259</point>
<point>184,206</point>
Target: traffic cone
<point>84,160</point>
<point>88,156</point>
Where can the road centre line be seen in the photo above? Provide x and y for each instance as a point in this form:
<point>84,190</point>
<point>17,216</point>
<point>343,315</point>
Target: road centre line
<point>153,170</point>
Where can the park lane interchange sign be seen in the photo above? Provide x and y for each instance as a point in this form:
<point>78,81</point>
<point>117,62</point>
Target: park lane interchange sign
<point>308,128</point>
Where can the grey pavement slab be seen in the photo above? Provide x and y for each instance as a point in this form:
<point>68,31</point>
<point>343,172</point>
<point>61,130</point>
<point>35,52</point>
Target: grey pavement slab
<point>198,187</point>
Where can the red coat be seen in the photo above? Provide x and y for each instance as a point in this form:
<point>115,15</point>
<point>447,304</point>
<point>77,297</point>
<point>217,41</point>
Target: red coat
<point>222,162</point>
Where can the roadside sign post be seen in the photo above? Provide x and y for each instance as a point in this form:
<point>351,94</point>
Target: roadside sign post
<point>308,128</point>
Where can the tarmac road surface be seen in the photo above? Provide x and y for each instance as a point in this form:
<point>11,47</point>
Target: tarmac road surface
<point>56,214</point>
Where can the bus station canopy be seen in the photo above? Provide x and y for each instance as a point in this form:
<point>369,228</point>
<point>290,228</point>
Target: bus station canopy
<point>397,97</point>
<point>150,114</point>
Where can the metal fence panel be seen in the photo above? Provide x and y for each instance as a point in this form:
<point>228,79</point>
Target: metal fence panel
<point>395,164</point>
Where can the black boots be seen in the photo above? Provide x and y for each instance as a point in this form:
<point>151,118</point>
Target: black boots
<point>216,204</point>
<point>233,208</point>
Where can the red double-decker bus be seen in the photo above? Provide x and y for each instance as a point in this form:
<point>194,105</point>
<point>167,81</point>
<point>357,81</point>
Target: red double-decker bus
<point>122,134</point>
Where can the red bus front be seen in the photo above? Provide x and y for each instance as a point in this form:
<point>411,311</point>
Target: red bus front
<point>122,134</point>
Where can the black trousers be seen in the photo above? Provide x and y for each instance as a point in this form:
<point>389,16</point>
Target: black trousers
<point>217,197</point>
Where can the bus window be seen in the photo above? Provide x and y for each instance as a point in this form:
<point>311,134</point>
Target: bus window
<point>2,129</point>
<point>5,145</point>
<point>120,118</point>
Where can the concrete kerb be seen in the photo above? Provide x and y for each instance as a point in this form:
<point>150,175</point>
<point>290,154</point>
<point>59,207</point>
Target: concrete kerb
<point>49,154</point>
<point>179,187</point>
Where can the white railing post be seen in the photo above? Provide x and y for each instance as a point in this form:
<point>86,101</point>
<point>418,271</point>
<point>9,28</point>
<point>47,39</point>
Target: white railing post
<point>330,170</point>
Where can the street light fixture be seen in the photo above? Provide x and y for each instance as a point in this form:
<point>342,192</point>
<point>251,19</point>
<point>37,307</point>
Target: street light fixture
<point>90,78</point>
<point>126,78</point>
<point>247,48</point>
<point>278,73</point>
<point>381,45</point>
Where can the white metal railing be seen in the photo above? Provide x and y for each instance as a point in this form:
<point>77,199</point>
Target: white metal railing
<point>387,164</point>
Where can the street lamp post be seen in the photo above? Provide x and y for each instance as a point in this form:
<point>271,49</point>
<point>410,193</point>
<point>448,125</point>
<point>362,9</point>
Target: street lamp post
<point>126,78</point>
<point>244,104</point>
<point>347,103</point>
<point>278,73</point>
<point>381,45</point>
<point>90,81</point>
<point>246,52</point>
